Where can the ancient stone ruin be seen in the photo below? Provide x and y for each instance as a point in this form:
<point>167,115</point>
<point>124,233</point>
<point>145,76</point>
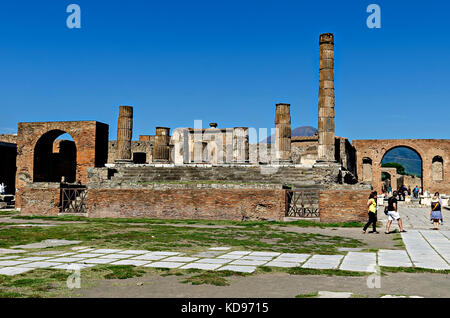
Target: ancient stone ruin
<point>209,173</point>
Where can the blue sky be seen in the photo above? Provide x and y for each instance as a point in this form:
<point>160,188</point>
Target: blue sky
<point>228,62</point>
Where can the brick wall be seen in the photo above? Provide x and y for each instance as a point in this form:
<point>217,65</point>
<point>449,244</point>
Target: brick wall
<point>343,205</point>
<point>227,204</point>
<point>40,201</point>
<point>427,149</point>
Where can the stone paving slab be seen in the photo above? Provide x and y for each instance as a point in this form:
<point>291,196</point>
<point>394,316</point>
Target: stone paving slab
<point>34,258</point>
<point>290,257</point>
<point>282,264</point>
<point>65,254</point>
<point>131,262</point>
<point>165,265</point>
<point>242,253</point>
<point>106,251</point>
<point>213,260</point>
<point>47,243</point>
<point>83,250</point>
<point>439,242</point>
<point>40,264</point>
<point>256,258</point>
<point>248,262</point>
<point>11,271</point>
<point>88,255</point>
<point>328,294</point>
<point>393,258</point>
<point>208,254</point>
<point>162,253</point>
<point>10,251</point>
<point>358,261</point>
<point>223,248</point>
<point>421,252</point>
<point>136,252</point>
<point>78,248</point>
<point>116,256</point>
<point>67,259</point>
<point>98,260</point>
<point>240,268</point>
<point>227,256</point>
<point>446,234</point>
<point>9,257</point>
<point>73,266</point>
<point>323,262</point>
<point>149,257</point>
<point>180,259</point>
<point>12,262</point>
<point>45,253</point>
<point>271,254</point>
<point>204,266</point>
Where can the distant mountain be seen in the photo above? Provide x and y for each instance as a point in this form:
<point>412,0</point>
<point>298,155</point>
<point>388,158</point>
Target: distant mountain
<point>303,131</point>
<point>407,157</point>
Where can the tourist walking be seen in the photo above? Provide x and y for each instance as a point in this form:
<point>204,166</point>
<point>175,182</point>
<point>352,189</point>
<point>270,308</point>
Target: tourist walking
<point>393,213</point>
<point>2,188</point>
<point>372,211</point>
<point>436,210</point>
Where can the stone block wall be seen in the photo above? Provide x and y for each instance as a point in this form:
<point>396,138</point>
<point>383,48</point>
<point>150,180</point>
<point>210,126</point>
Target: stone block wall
<point>343,205</point>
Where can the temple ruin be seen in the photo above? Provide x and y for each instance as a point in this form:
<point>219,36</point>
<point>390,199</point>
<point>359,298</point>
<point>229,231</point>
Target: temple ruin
<point>210,173</point>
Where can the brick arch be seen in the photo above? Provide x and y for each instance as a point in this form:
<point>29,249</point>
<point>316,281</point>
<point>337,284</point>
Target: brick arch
<point>427,149</point>
<point>90,137</point>
<point>47,164</point>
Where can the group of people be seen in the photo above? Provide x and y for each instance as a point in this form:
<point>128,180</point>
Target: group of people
<point>392,212</point>
<point>403,191</point>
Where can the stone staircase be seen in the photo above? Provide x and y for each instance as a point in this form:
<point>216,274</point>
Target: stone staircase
<point>298,177</point>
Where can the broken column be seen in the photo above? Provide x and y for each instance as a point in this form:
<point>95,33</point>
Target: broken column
<point>161,146</point>
<point>124,134</point>
<point>240,144</point>
<point>283,133</point>
<point>326,98</point>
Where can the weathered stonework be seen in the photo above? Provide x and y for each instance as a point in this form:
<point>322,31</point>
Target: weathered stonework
<point>428,149</point>
<point>326,148</point>
<point>124,133</point>
<point>91,141</point>
<point>283,132</point>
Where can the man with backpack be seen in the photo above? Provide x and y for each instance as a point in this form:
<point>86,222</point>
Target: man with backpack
<point>392,213</point>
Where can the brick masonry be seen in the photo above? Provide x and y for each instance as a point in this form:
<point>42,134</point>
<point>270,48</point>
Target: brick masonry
<point>225,204</point>
<point>343,205</point>
<point>44,200</point>
<point>427,150</point>
<point>90,137</point>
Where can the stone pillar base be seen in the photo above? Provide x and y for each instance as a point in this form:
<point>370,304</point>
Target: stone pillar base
<point>123,161</point>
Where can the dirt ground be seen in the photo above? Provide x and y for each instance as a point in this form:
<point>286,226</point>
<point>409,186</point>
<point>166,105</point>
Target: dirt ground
<point>272,285</point>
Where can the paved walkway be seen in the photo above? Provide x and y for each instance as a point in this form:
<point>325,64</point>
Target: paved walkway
<point>427,249</point>
<point>418,218</point>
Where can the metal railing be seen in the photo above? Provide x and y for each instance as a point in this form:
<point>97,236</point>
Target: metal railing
<point>73,200</point>
<point>302,203</point>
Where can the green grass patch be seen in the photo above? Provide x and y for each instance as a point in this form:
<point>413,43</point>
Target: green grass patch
<point>123,272</point>
<point>385,270</point>
<point>328,272</point>
<point>307,295</point>
<point>9,212</point>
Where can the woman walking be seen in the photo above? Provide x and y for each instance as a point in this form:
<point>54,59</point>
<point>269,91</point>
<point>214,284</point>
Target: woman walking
<point>436,213</point>
<point>372,211</point>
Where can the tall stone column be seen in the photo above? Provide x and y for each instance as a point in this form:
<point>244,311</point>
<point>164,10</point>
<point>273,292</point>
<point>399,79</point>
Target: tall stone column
<point>161,146</point>
<point>326,98</point>
<point>240,144</point>
<point>283,133</point>
<point>124,134</point>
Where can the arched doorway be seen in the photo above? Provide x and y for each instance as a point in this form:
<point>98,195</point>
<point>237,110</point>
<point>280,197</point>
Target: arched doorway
<point>55,158</point>
<point>408,165</point>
